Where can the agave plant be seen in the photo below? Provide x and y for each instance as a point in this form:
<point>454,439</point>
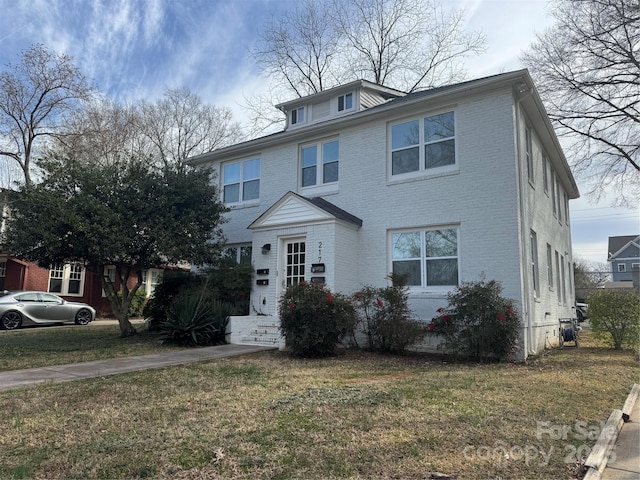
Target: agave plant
<point>196,319</point>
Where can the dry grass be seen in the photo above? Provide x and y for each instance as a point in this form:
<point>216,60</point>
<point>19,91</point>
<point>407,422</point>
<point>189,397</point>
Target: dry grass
<point>357,415</point>
<point>42,346</point>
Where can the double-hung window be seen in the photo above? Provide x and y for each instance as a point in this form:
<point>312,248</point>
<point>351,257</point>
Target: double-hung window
<point>345,102</point>
<point>319,163</point>
<point>241,254</point>
<point>67,279</point>
<point>241,181</point>
<point>428,257</point>
<point>528,144</point>
<point>423,144</point>
<point>535,274</point>
<point>297,116</point>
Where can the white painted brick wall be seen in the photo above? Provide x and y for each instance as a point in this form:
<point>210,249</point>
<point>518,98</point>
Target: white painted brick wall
<point>481,197</point>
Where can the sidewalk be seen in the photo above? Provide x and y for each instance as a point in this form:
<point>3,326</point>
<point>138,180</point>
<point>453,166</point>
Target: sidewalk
<point>99,368</point>
<point>624,461</point>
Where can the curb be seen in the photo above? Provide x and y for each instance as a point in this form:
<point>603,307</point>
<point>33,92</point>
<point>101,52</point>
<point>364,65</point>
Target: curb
<point>597,460</point>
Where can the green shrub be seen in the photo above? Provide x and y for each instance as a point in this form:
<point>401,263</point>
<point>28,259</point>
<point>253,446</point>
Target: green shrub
<point>386,318</point>
<point>232,283</point>
<point>136,308</point>
<point>478,322</point>
<point>313,320</point>
<point>615,316</point>
<point>171,285</point>
<point>196,320</point>
<point>228,283</point>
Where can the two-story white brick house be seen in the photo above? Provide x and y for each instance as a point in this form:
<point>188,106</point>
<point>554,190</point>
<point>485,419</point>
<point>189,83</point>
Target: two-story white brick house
<point>447,185</point>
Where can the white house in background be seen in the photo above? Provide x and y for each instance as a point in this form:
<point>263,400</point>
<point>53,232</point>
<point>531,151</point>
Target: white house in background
<point>447,185</point>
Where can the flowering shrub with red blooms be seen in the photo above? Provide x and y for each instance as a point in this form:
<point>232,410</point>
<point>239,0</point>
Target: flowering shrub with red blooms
<point>478,322</point>
<point>386,318</point>
<point>314,320</point>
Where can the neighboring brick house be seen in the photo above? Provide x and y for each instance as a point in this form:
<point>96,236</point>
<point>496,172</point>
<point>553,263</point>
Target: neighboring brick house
<point>71,281</point>
<point>624,256</point>
<point>448,185</point>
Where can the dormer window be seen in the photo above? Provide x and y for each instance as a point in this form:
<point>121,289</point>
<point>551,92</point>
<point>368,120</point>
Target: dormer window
<point>345,102</point>
<point>297,116</point>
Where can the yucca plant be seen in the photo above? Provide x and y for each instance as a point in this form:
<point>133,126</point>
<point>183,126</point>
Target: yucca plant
<point>196,319</point>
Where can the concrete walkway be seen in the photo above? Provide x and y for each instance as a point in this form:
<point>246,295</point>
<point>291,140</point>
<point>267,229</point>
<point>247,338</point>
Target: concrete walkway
<point>100,368</point>
<point>624,461</point>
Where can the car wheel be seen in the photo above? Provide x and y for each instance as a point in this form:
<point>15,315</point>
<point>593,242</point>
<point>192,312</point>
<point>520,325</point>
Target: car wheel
<point>11,320</point>
<point>83,317</point>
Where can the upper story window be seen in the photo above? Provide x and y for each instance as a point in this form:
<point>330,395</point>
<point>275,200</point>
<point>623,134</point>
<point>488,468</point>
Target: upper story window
<point>345,102</point>
<point>241,181</point>
<point>428,256</point>
<point>423,144</point>
<point>528,145</point>
<point>67,279</point>
<point>319,163</point>
<point>297,116</point>
<point>545,174</point>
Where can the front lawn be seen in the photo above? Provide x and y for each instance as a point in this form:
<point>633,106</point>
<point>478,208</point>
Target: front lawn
<point>44,346</point>
<point>357,415</point>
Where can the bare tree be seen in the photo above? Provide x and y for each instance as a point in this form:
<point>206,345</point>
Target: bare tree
<point>35,95</point>
<point>180,125</point>
<point>301,48</point>
<point>589,276</point>
<point>587,69</point>
<point>103,133</point>
<point>168,131</point>
<point>406,44</point>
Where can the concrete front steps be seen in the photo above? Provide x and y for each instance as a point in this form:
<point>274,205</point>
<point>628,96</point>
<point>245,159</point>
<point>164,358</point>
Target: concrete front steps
<point>258,330</point>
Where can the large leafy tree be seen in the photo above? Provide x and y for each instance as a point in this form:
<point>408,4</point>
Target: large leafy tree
<point>35,96</point>
<point>587,68</point>
<point>126,214</point>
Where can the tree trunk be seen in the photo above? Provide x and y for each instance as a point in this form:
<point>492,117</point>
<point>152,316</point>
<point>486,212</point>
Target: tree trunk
<point>126,327</point>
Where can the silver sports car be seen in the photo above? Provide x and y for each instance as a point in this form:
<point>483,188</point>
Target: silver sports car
<point>37,308</point>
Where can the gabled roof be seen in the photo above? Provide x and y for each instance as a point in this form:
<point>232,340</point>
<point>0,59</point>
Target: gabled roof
<point>619,244</point>
<point>294,209</point>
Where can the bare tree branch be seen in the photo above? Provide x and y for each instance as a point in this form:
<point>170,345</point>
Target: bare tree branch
<point>588,73</point>
<point>35,96</point>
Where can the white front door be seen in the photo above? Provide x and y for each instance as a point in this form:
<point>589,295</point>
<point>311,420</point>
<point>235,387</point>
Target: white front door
<point>292,262</point>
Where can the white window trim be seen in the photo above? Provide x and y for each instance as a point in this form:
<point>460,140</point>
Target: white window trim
<point>66,278</point>
<point>110,272</point>
<point>422,172</point>
<point>148,286</point>
<point>528,153</point>
<point>242,181</point>
<point>622,268</point>
<point>535,263</point>
<point>238,251</point>
<point>423,287</point>
<point>297,111</point>
<point>319,188</point>
<point>344,97</point>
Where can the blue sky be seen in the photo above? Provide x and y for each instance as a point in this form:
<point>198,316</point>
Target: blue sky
<point>133,49</point>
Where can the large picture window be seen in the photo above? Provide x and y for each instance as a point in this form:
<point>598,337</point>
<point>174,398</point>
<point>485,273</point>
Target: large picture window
<point>423,144</point>
<point>319,163</point>
<point>428,257</point>
<point>67,279</point>
<point>241,181</point>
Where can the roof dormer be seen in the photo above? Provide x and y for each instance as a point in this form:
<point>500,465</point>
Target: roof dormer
<point>335,102</point>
